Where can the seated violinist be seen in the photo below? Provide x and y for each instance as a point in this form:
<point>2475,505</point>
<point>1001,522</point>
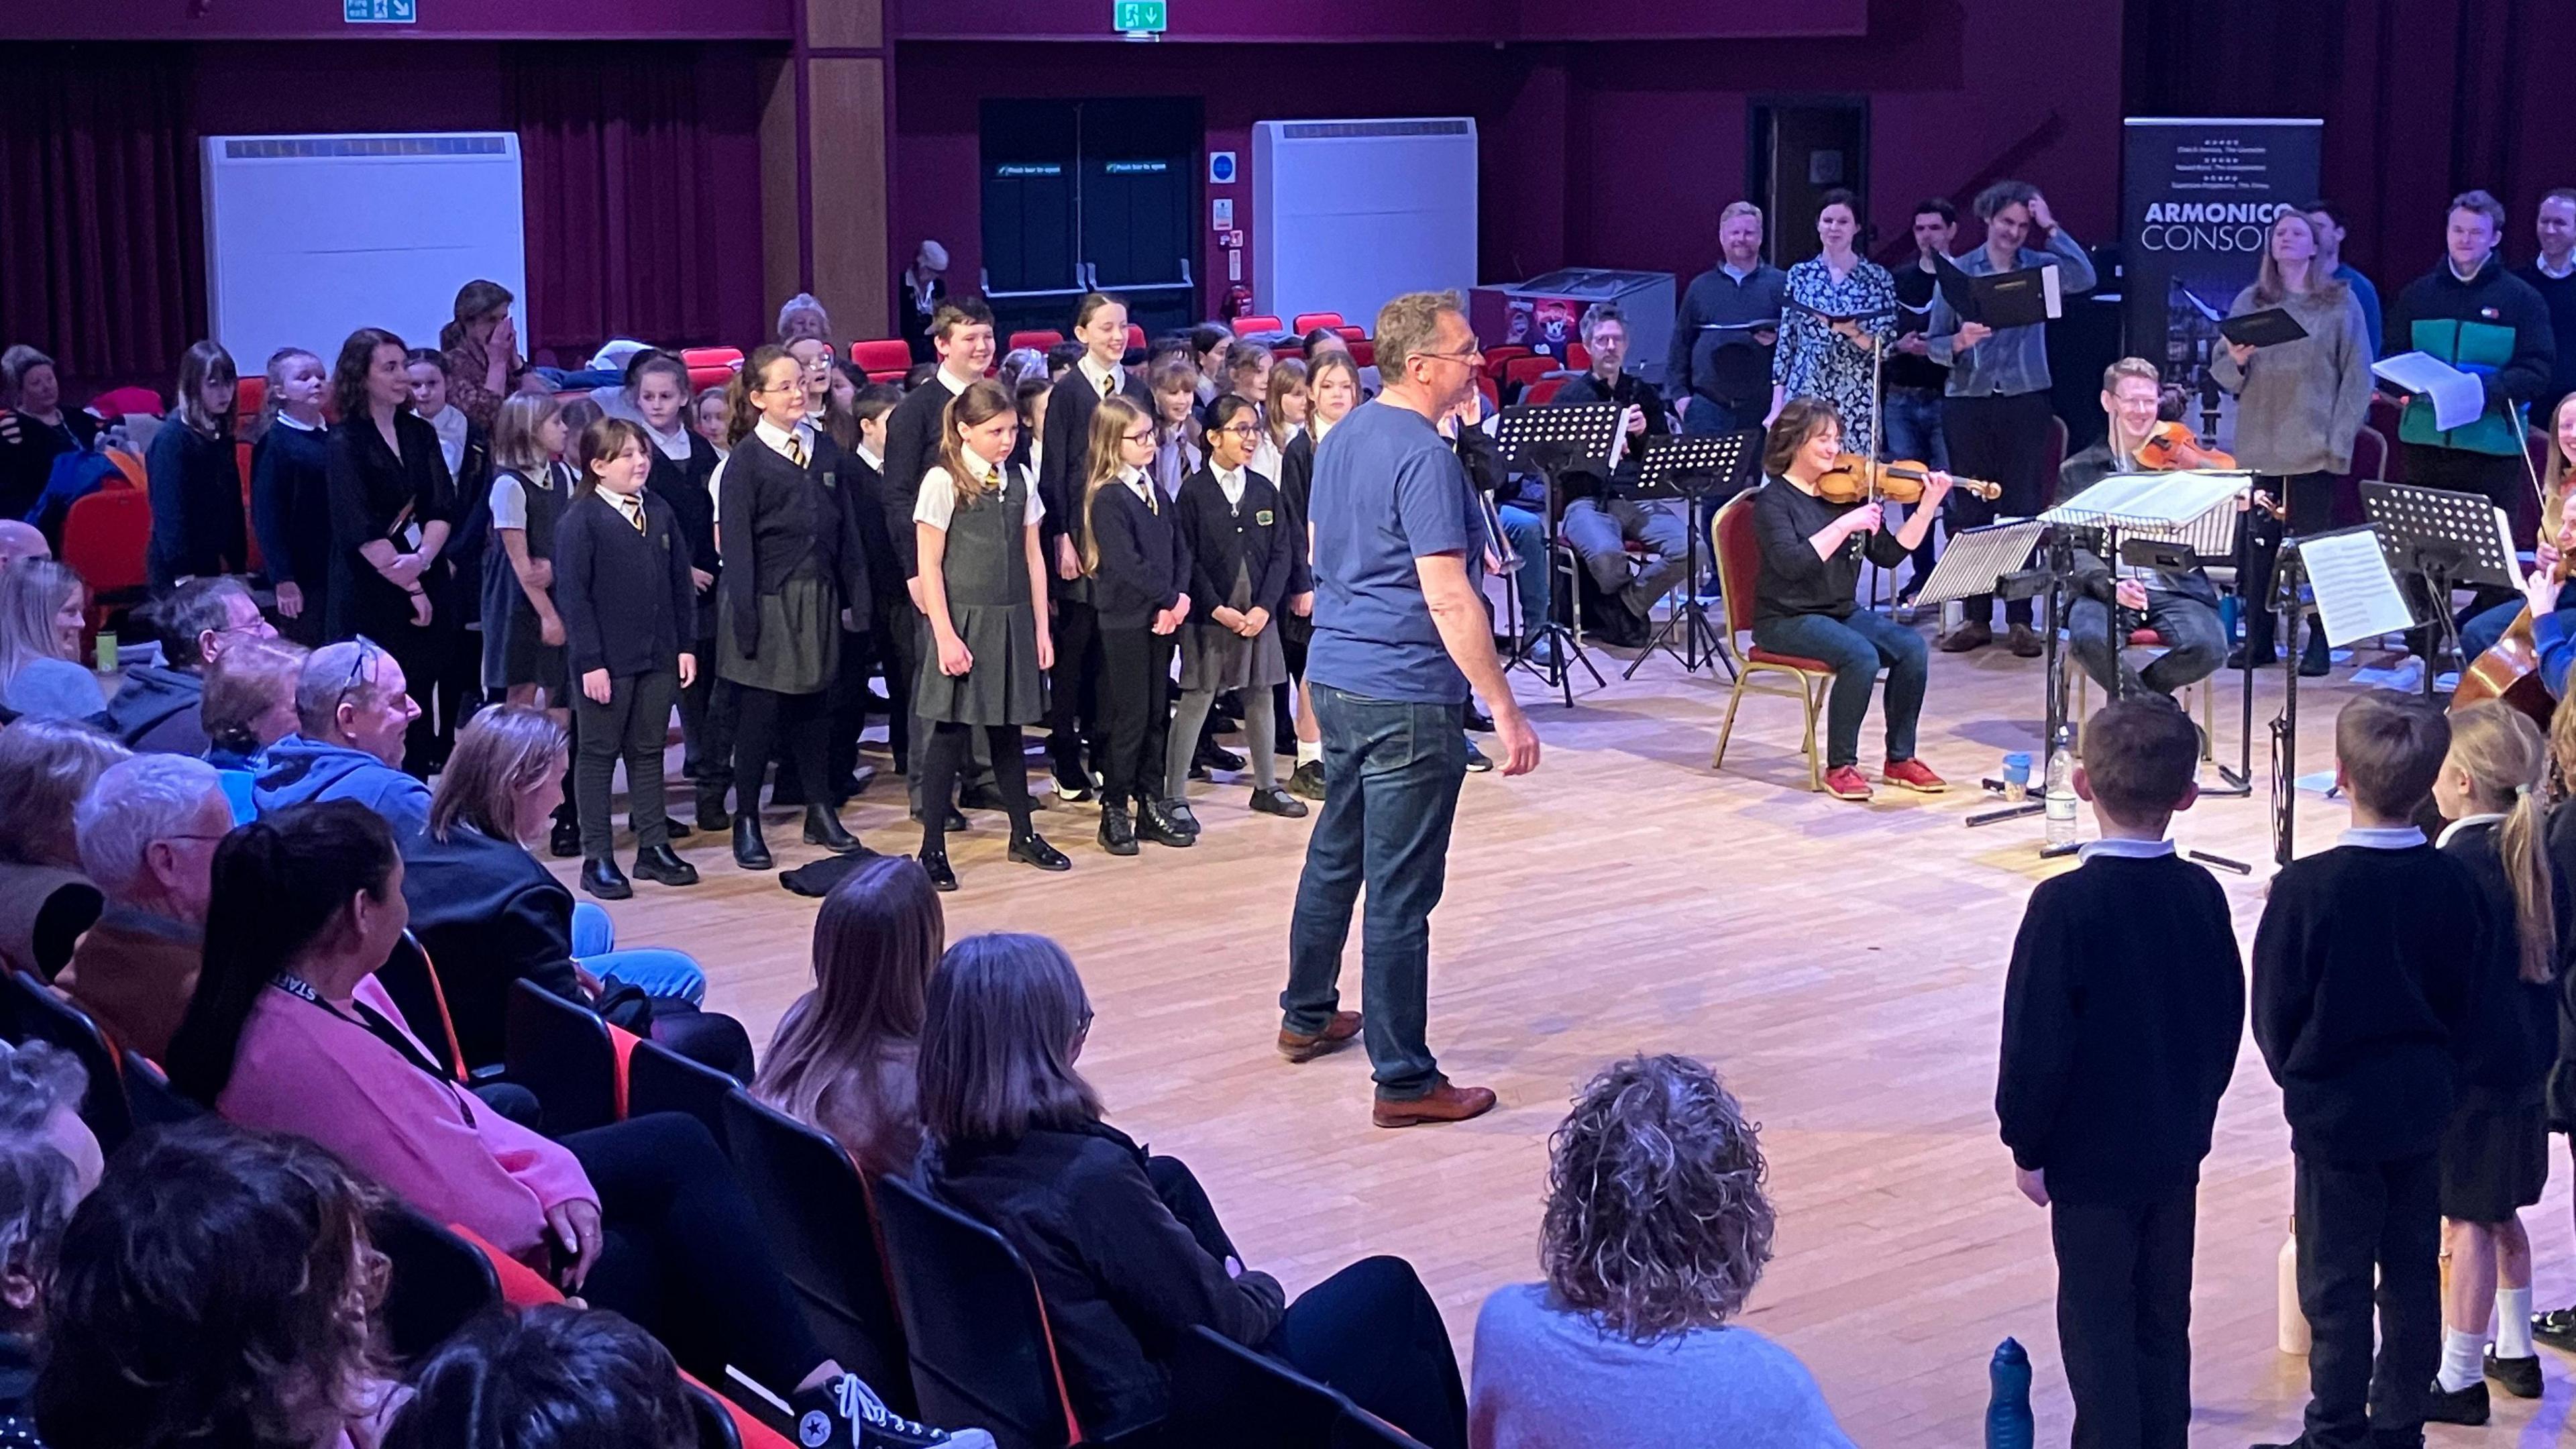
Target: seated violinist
<point>2480,631</point>
<point>2180,606</point>
<point>1806,603</point>
<point>2552,605</point>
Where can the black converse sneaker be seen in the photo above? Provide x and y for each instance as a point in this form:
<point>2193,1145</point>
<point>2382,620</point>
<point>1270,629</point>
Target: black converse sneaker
<point>846,1413</point>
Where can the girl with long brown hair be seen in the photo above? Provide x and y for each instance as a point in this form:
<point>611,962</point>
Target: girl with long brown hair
<point>984,587</point>
<point>2493,787</point>
<point>197,523</point>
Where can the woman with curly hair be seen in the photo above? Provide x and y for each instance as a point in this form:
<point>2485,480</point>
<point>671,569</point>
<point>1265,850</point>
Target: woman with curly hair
<point>1657,1228</point>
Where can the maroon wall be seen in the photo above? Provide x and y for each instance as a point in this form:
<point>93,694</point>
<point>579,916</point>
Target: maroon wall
<point>1607,154</point>
<point>439,20</point>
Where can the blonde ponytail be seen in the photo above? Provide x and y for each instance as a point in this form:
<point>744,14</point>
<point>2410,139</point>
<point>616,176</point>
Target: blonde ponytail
<point>2507,762</point>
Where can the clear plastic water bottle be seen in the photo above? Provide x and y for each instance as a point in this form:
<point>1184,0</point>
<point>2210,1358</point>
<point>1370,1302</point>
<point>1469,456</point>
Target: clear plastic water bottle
<point>2008,1421</point>
<point>2061,787</point>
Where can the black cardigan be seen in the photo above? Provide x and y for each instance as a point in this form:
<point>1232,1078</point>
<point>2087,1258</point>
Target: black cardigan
<point>1220,540</point>
<point>196,492</point>
<point>1064,464</point>
<point>773,518</point>
<point>685,487</point>
<point>912,450</point>
<point>370,489</point>
<point>1123,1279</point>
<point>1144,560</point>
<point>2512,1042</point>
<point>627,602</point>
<point>290,506</point>
<point>489,914</point>
<point>864,490</point>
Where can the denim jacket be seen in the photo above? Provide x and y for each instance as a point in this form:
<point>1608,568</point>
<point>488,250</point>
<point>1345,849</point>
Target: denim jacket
<point>2015,359</point>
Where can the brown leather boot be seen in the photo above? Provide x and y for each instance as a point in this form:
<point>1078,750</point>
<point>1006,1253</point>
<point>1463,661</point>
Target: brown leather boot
<point>1446,1102</point>
<point>1337,1033</point>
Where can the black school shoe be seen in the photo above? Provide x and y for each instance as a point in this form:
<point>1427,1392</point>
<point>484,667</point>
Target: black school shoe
<point>1032,849</point>
<point>1155,823</point>
<point>934,863</point>
<point>1275,801</point>
<point>2467,1406</point>
<point>2519,1377</point>
<point>2557,1328</point>
<point>1117,831</point>
<point>565,841</point>
<point>603,879</point>
<point>662,865</point>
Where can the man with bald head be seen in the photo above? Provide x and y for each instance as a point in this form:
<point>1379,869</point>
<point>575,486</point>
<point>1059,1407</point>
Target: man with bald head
<point>21,540</point>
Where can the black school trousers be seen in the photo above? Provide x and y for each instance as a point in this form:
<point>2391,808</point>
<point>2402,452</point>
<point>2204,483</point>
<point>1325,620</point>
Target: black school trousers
<point>1135,712</point>
<point>687,1257</point>
<point>2354,1219</point>
<point>1073,691</point>
<point>632,726</point>
<point>2004,440</point>
<point>2124,1318</point>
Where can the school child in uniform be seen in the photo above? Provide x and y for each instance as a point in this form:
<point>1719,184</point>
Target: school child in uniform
<point>1234,528</point>
<point>683,476</point>
<point>523,635</point>
<point>983,584</point>
<point>2117,1044</point>
<point>290,500</point>
<point>2359,1011</point>
<point>1139,567</point>
<point>622,581</point>
<point>1073,686</point>
<point>1177,454</point>
<point>2495,1153</point>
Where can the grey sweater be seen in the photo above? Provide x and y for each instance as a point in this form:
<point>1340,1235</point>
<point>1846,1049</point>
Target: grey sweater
<point>1548,1377</point>
<point>2300,404</point>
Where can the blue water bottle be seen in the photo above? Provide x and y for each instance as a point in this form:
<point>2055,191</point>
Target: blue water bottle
<point>2008,1423</point>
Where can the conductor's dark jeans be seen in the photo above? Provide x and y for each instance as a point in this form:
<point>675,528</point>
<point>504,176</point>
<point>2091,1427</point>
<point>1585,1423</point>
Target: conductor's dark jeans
<point>1392,769</point>
<point>1370,1330</point>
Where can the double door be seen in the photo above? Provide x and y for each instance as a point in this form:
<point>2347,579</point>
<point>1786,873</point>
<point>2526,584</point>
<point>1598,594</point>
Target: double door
<point>1082,196</point>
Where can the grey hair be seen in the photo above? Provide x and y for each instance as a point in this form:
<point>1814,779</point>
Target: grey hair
<point>1657,1220</point>
<point>134,803</point>
<point>16,363</point>
<point>803,302</point>
<point>331,674</point>
<point>193,609</point>
<point>1601,314</point>
<point>46,766</point>
<point>1410,323</point>
<point>37,1080</point>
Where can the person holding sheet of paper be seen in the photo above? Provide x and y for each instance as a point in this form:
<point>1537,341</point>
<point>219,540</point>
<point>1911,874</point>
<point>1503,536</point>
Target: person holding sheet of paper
<point>2299,404</point>
<point>2473,314</point>
<point>1996,417</point>
<point>2180,607</point>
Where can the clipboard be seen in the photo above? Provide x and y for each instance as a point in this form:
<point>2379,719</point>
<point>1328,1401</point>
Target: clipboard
<point>2023,297</point>
<point>2268,328</point>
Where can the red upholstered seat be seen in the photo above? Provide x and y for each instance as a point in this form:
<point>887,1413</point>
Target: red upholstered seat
<point>1135,337</point>
<point>1760,655</point>
<point>2146,639</point>
<point>883,359</point>
<point>1520,372</point>
<point>1040,338</point>
<point>1499,358</point>
<point>116,402</point>
<point>1578,358</point>
<point>1544,391</point>
<point>1257,322</point>
<point>1309,321</point>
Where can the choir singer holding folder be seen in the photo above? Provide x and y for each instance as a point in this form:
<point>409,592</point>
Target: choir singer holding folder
<point>2299,404</point>
<point>1996,416</point>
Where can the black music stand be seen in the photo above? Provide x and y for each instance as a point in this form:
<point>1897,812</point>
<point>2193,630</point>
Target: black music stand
<point>2447,539</point>
<point>1556,441</point>
<point>1692,468</point>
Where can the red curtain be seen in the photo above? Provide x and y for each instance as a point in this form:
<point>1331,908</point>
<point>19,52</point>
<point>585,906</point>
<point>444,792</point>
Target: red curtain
<point>2422,99</point>
<point>101,235</point>
<point>626,209</point>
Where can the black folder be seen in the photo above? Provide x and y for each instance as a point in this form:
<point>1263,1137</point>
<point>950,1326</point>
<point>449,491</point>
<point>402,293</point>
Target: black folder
<point>2268,328</point>
<point>2018,298</point>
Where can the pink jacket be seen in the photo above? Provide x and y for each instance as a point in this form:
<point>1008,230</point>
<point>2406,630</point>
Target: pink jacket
<point>302,1068</point>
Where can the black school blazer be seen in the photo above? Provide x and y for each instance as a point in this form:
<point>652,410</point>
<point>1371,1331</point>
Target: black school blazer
<point>1259,539</point>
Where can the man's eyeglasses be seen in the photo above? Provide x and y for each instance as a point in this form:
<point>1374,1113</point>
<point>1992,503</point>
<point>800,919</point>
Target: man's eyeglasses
<point>1472,354</point>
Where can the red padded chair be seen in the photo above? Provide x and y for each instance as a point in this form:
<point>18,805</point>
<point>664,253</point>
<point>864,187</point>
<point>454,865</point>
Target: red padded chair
<point>1739,574</point>
<point>1040,338</point>
<point>1520,372</point>
<point>1258,322</point>
<point>982,1352</point>
<point>883,359</point>
<point>1544,391</point>
<point>1135,338</point>
<point>252,391</point>
<point>1352,334</point>
<point>120,401</point>
<point>1364,351</point>
<point>1309,321</point>
<point>1578,358</point>
<point>1498,358</point>
<point>1493,399</point>
<point>104,538</point>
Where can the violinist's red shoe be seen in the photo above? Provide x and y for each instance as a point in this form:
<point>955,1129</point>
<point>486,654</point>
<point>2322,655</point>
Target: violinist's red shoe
<point>1844,782</point>
<point>1913,775</point>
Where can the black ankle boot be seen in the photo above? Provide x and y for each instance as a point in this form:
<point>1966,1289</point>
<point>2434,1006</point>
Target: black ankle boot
<point>823,827</point>
<point>749,850</point>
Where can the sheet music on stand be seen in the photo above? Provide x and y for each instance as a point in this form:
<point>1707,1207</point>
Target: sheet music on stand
<point>2356,593</point>
<point>1559,439</point>
<point>2411,520</point>
<point>1975,559</point>
<point>2196,508</point>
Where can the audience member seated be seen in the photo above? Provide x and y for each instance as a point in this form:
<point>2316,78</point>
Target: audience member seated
<point>353,710</point>
<point>248,705</point>
<point>157,708</point>
<point>844,1058</point>
<point>21,541</point>
<point>1127,1250</point>
<point>1600,523</point>
<point>801,316</point>
<point>48,1163</point>
<point>37,429</point>
<point>553,1377</point>
<point>1656,1230</point>
<point>291,1032</point>
<point>218,1288</point>
<point>46,766</point>
<point>148,831</point>
<point>489,913</point>
<point>43,607</point>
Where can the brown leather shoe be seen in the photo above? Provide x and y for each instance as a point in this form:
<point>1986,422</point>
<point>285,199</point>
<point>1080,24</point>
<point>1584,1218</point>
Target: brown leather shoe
<point>1970,635</point>
<point>2024,642</point>
<point>1337,1034</point>
<point>1446,1102</point>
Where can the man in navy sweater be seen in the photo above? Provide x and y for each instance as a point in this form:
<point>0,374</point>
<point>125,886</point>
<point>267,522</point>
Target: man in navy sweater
<point>2122,1014</point>
<point>2359,1009</point>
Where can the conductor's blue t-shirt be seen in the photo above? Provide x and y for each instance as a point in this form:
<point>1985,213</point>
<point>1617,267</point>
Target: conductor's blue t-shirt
<point>1387,489</point>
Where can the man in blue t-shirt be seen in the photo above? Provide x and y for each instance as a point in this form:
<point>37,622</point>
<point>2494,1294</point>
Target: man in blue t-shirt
<point>1401,634</point>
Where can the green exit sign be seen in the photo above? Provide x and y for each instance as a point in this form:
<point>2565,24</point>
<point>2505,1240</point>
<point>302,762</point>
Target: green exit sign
<point>1140,17</point>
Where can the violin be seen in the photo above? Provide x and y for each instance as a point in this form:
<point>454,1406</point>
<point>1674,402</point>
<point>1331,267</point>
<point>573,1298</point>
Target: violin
<point>2171,446</point>
<point>1854,479</point>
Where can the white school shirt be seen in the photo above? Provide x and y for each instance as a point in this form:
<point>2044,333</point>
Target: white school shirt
<point>2124,849</point>
<point>938,501</point>
<point>2463,823</point>
<point>1230,483</point>
<point>1104,381</point>
<point>1140,483</point>
<point>450,425</point>
<point>776,437</point>
<point>674,444</point>
<point>629,507</point>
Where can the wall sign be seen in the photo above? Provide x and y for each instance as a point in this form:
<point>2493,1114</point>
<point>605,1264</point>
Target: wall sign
<point>1223,219</point>
<point>1221,170</point>
<point>380,12</point>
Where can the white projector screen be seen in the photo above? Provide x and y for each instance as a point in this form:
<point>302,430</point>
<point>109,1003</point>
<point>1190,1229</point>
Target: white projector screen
<point>309,238</point>
<point>1348,213</point>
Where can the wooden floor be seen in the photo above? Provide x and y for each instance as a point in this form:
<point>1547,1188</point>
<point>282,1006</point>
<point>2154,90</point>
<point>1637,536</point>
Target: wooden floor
<point>1841,965</point>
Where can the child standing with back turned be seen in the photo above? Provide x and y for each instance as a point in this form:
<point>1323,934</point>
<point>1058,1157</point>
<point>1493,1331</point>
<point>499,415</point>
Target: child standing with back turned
<point>2362,985</point>
<point>2122,1014</point>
